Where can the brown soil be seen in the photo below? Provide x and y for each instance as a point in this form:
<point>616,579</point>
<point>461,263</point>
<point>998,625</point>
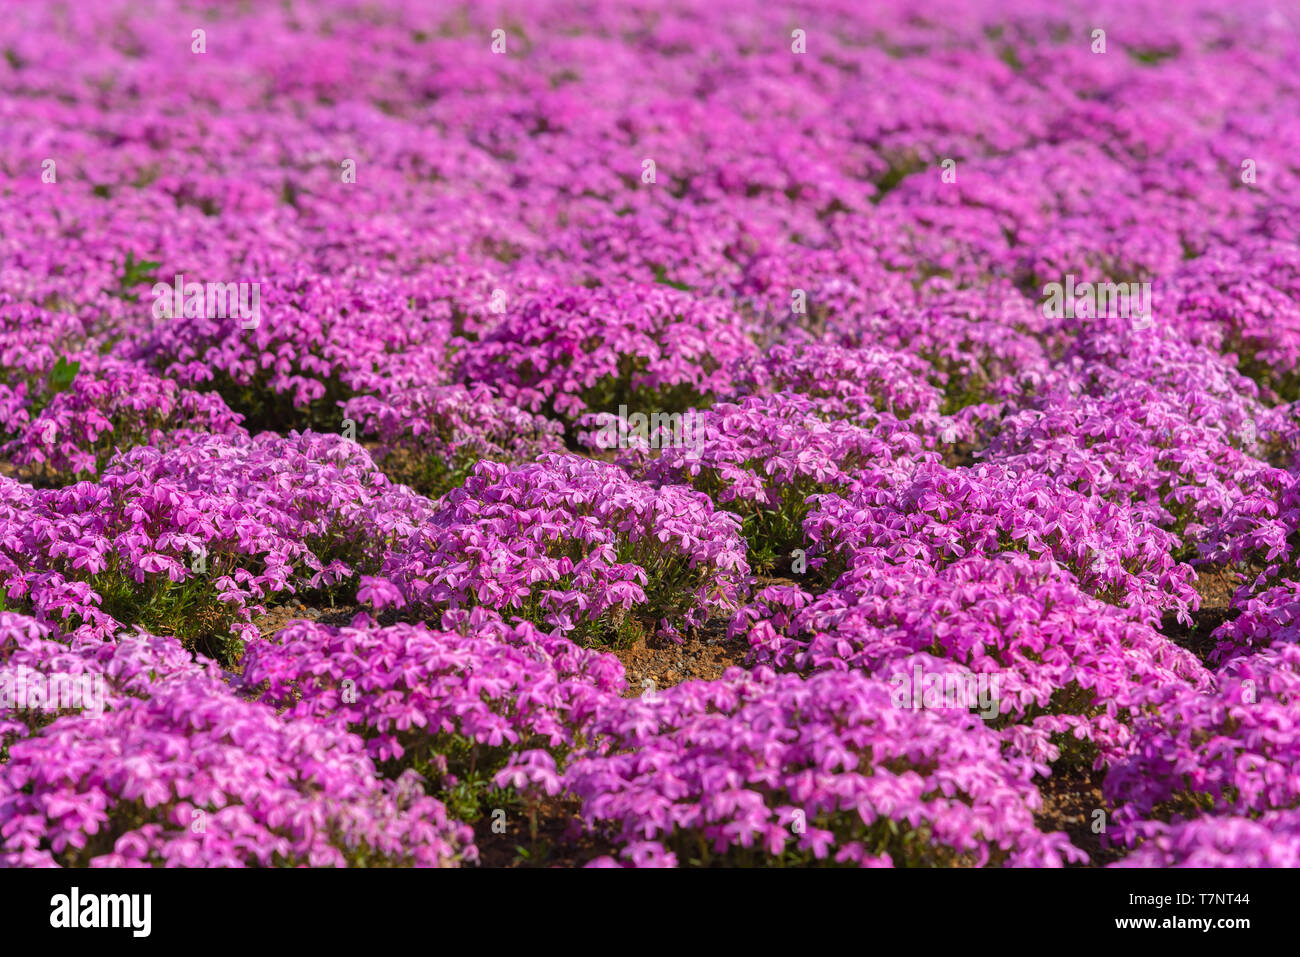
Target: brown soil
<point>1070,798</point>
<point>28,474</point>
<point>705,656</point>
<point>961,455</point>
<point>277,617</point>
<point>1216,587</point>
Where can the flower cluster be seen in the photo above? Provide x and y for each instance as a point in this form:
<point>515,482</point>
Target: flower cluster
<point>569,543</point>
<point>175,769</point>
<point>1234,750</point>
<point>437,433</point>
<point>826,768</point>
<point>402,686</point>
<point>572,350</point>
<point>943,514</point>
<point>766,457</point>
<point>200,534</point>
<point>193,776</point>
<point>1063,660</point>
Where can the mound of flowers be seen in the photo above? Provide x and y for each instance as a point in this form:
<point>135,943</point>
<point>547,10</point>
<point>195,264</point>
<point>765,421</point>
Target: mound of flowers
<point>569,543</point>
<point>193,776</point>
<point>454,704</point>
<point>942,515</point>
<point>193,537</point>
<point>758,767</point>
<point>436,434</point>
<point>168,766</point>
<point>1233,751</point>
<point>1063,662</point>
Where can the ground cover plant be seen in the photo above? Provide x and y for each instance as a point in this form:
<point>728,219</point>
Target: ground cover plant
<point>697,434</point>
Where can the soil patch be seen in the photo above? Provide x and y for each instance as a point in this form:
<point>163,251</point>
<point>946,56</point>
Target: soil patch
<point>704,655</point>
<point>1071,796</point>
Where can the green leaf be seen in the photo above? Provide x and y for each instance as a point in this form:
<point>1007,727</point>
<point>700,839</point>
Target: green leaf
<point>661,278</point>
<point>134,273</point>
<point>62,375</point>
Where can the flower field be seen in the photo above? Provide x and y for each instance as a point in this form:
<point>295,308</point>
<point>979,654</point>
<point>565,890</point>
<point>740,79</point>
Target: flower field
<point>682,434</point>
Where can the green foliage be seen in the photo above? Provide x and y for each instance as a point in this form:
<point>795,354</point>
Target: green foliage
<point>661,277</point>
<point>135,272</point>
<point>267,410</point>
<point>63,374</point>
